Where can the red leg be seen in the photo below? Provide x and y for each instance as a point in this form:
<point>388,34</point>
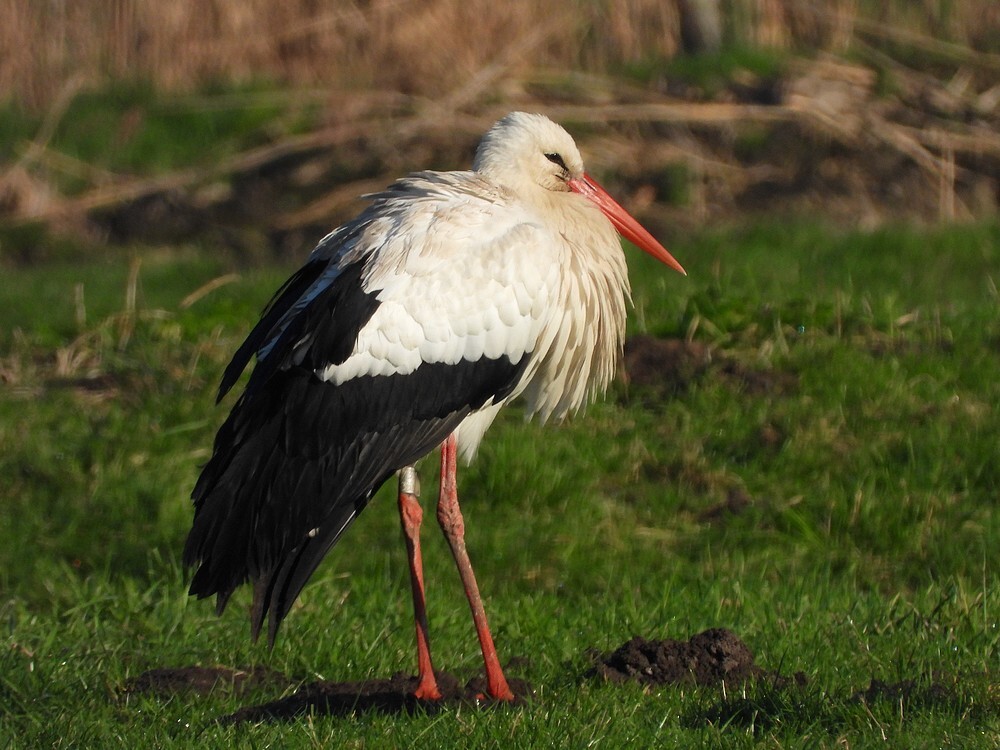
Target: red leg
<point>411,515</point>
<point>450,517</point>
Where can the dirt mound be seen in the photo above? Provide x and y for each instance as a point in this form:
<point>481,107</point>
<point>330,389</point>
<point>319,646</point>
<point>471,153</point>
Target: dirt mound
<point>712,657</point>
<point>668,367</point>
<point>707,658</point>
<point>204,680</point>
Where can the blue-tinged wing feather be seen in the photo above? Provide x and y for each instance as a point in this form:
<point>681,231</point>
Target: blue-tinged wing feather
<point>268,329</point>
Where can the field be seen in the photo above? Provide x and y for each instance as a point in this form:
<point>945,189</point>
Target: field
<point>799,458</point>
<point>804,452</point>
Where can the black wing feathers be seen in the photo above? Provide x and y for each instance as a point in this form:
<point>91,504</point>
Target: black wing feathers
<point>324,330</point>
<point>298,459</point>
<point>289,293</point>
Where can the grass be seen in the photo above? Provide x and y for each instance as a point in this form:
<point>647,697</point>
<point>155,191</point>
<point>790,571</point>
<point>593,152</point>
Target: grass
<point>129,127</point>
<point>711,72</point>
<point>853,401</point>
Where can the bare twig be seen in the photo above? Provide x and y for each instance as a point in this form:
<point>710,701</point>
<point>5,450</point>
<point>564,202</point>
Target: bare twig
<point>53,117</point>
<point>957,52</point>
<point>327,205</point>
<point>711,113</point>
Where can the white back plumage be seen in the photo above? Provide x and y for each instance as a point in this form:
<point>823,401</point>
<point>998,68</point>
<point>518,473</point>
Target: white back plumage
<point>502,260</point>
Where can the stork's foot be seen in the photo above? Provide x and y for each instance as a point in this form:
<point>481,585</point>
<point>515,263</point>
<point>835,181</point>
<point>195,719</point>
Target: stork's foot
<point>427,689</point>
<point>444,688</point>
<point>484,698</point>
<point>498,690</point>
<point>518,690</point>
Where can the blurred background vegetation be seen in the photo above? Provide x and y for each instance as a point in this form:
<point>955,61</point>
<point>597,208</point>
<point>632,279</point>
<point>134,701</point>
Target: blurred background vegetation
<point>428,48</point>
<point>261,122</point>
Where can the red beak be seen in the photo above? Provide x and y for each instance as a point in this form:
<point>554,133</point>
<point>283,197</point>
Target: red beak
<point>626,225</point>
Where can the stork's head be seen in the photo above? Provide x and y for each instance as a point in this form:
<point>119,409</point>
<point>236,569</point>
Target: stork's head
<point>527,152</point>
<point>528,148</point>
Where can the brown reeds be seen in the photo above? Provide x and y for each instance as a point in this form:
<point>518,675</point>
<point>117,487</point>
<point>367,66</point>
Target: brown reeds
<point>421,48</point>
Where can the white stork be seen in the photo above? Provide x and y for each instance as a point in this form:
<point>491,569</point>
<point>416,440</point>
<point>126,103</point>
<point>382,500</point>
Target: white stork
<point>409,328</point>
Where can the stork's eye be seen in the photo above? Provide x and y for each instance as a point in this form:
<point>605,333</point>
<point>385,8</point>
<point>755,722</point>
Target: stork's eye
<point>557,160</point>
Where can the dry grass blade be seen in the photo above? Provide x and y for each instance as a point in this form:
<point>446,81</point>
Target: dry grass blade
<point>206,289</point>
<point>126,321</point>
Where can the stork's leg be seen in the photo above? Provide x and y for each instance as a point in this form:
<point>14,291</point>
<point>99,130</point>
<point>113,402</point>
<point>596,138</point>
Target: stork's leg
<point>450,517</point>
<point>411,515</point>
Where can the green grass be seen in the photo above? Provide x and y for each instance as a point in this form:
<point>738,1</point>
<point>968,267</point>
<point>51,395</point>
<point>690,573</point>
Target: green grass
<point>869,550</point>
<point>133,128</point>
<point>711,72</point>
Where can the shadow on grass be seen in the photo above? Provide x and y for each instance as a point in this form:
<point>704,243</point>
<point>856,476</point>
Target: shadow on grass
<point>713,657</point>
<point>320,698</point>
